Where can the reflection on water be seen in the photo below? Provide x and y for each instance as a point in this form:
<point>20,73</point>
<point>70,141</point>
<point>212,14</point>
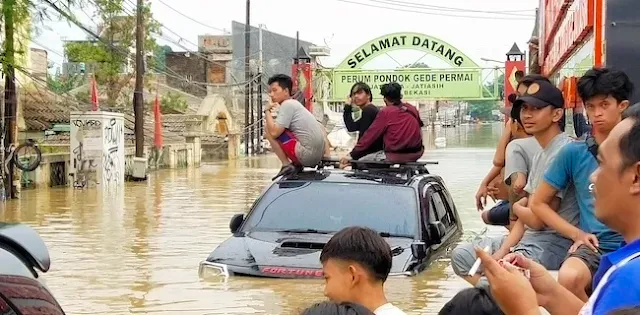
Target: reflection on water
<point>137,250</point>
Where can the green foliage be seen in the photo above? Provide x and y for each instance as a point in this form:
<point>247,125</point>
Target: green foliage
<point>113,52</point>
<point>172,102</point>
<point>482,109</point>
<point>159,63</point>
<point>62,84</point>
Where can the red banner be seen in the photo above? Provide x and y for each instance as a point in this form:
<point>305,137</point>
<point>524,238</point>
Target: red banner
<point>510,80</point>
<point>94,95</point>
<point>302,80</point>
<point>157,115</point>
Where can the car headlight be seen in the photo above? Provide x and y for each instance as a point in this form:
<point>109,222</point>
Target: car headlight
<point>208,269</point>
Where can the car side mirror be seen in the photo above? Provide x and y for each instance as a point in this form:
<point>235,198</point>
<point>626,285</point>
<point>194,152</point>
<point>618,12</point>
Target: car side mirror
<point>437,231</point>
<point>236,222</point>
<point>419,250</point>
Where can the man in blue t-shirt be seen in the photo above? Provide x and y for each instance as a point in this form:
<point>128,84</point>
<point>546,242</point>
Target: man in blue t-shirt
<point>606,95</point>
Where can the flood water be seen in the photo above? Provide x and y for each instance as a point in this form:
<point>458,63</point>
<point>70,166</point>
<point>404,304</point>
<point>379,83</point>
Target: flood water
<point>138,251</point>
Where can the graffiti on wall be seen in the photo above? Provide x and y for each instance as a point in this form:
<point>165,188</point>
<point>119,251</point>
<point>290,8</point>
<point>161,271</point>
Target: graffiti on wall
<point>86,152</point>
<point>113,137</point>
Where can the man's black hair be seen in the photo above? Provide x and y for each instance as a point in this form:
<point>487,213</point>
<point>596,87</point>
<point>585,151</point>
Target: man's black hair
<point>605,82</point>
<point>363,246</point>
<point>392,92</point>
<point>332,308</point>
<point>283,80</point>
<point>629,143</point>
<point>519,74</point>
<point>361,87</point>
<point>471,301</point>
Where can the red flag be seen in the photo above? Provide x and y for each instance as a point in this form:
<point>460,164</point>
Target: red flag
<point>94,94</point>
<point>157,137</point>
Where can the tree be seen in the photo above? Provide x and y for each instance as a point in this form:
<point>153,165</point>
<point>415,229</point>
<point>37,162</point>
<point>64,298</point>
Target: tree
<point>60,84</point>
<point>482,109</point>
<point>172,103</point>
<point>113,53</point>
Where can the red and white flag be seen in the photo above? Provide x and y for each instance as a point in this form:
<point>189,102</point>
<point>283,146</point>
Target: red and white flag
<point>157,135</point>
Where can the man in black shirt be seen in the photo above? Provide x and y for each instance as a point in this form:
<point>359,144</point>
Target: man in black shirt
<point>361,96</point>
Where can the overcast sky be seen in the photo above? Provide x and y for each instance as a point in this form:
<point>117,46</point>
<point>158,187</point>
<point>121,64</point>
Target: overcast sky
<point>479,28</point>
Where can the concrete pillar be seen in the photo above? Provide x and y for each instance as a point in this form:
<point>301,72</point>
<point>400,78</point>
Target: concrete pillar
<point>196,148</point>
<point>97,149</point>
<point>233,146</point>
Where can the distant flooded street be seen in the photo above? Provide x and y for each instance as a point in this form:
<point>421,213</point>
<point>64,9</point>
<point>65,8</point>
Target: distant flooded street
<point>137,251</point>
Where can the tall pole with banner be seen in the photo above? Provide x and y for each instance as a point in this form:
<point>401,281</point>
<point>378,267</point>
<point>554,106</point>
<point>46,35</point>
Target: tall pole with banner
<point>514,68</point>
<point>302,77</point>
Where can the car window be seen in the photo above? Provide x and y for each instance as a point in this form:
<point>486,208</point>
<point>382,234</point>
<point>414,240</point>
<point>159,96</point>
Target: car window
<point>441,210</point>
<point>22,295</point>
<point>334,206</point>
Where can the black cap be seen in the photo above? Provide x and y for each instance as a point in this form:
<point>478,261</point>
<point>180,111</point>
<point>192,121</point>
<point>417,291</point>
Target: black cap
<point>539,93</point>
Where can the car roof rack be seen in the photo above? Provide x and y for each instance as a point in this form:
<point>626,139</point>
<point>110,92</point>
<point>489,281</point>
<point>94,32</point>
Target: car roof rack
<point>408,169</point>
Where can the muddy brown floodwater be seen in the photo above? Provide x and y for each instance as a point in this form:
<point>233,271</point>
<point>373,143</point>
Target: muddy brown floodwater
<point>138,251</point>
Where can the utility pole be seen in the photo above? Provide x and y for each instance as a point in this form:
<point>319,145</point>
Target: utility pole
<point>247,76</point>
<point>10,99</point>
<point>138,101</point>
<point>259,81</point>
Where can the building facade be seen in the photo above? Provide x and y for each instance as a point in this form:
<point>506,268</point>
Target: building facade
<point>575,35</point>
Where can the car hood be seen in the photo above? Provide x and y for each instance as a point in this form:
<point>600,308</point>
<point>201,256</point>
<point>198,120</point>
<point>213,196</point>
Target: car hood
<point>279,254</point>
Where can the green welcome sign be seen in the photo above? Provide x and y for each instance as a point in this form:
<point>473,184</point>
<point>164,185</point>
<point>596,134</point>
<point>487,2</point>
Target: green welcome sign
<point>463,80</point>
<point>413,41</point>
<point>417,84</point>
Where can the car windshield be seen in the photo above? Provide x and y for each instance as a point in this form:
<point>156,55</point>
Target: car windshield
<point>331,207</point>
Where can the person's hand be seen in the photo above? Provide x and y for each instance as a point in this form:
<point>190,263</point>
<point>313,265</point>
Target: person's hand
<point>344,161</point>
<point>519,183</point>
<point>270,105</point>
<point>541,280</point>
<point>349,101</point>
<point>493,192</point>
<point>586,239</point>
<point>481,197</point>
<point>509,287</point>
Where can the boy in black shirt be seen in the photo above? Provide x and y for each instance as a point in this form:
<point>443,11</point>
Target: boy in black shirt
<point>361,96</point>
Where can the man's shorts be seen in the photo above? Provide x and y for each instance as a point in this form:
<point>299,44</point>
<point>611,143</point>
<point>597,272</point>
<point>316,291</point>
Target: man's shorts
<point>499,214</point>
<point>588,256</point>
<point>548,250</point>
<point>288,142</point>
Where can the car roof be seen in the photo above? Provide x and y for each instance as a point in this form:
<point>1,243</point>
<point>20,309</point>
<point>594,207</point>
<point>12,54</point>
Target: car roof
<point>383,173</point>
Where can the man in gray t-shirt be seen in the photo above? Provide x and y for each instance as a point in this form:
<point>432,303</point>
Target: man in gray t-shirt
<point>296,137</point>
<point>539,108</point>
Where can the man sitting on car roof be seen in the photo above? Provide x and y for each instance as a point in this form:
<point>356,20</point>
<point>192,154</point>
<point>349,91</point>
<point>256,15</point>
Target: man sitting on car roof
<point>296,137</point>
<point>398,124</point>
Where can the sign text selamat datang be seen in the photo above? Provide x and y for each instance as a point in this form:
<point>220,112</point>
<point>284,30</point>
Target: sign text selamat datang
<point>416,84</point>
<point>573,29</point>
<point>445,51</point>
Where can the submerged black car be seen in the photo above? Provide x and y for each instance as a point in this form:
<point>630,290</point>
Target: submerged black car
<point>286,228</point>
<point>22,254</point>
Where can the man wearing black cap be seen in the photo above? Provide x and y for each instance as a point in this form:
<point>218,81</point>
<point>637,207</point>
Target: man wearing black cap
<point>540,107</point>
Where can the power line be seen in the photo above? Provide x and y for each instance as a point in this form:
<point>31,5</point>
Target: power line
<point>430,13</point>
<point>452,9</point>
<point>192,19</point>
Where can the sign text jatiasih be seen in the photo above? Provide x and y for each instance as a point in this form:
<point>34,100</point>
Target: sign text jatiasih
<point>419,84</point>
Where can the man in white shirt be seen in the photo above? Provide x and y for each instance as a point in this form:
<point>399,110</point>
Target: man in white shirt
<point>356,262</point>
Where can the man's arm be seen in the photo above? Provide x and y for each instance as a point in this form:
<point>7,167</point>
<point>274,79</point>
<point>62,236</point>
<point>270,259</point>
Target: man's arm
<point>285,114</point>
<point>563,302</point>
<point>375,131</point>
<point>347,115</point>
<point>514,237</point>
<point>556,178</point>
<point>498,156</point>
